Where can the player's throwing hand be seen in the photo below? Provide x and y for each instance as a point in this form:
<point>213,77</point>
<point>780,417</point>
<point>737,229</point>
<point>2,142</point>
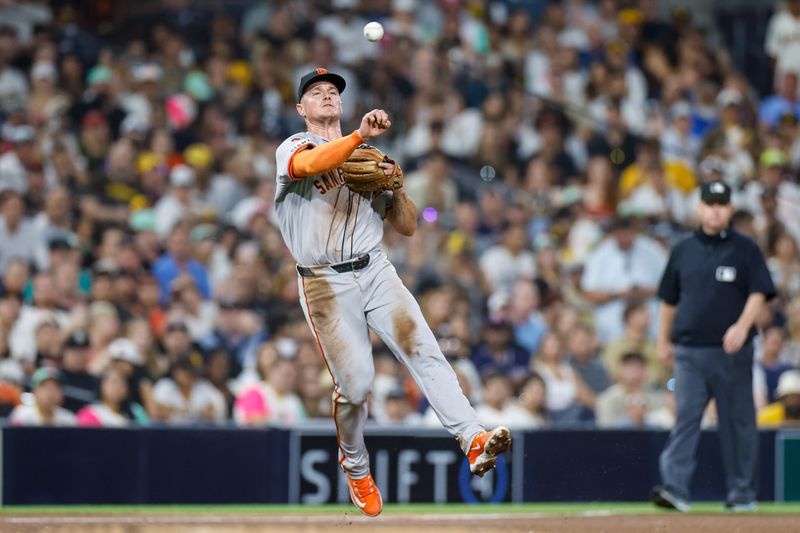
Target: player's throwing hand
<point>374,123</point>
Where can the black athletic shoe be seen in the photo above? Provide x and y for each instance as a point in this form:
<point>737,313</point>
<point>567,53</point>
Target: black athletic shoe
<point>664,498</point>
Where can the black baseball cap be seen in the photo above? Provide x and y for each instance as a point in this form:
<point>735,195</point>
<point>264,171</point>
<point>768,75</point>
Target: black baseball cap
<point>715,192</point>
<point>79,339</point>
<point>320,74</point>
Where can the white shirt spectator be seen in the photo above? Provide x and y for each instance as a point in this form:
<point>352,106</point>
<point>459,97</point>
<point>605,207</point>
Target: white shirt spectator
<point>191,409</point>
<point>25,244</point>
<point>22,338</point>
<point>24,16</point>
<point>511,415</point>
<point>169,211</point>
<point>13,87</point>
<point>783,41</point>
<point>503,269</point>
<point>29,415</point>
<point>562,391</point>
<point>646,201</point>
<point>12,174</point>
<point>610,269</point>
<point>347,35</point>
<point>788,209</point>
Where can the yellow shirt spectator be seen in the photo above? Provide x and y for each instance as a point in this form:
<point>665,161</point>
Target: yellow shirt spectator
<point>676,174</point>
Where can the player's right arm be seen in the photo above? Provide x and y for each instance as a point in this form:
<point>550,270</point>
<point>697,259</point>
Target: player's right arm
<point>310,160</point>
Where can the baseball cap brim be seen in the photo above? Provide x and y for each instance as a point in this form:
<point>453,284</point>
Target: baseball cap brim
<point>320,75</point>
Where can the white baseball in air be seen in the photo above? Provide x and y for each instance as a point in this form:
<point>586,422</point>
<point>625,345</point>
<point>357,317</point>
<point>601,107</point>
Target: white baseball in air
<point>373,31</point>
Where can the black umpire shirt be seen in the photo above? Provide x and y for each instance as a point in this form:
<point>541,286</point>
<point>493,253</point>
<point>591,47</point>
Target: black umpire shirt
<point>709,279</point>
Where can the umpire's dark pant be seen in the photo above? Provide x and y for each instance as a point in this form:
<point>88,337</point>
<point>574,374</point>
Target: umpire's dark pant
<point>701,373</point>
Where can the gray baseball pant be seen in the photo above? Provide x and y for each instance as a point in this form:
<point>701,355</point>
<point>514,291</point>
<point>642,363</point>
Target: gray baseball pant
<point>703,372</point>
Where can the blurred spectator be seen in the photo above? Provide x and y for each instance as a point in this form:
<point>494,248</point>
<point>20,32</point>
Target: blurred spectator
<point>772,359</point>
<point>672,176</point>
<point>678,141</point>
<point>784,266</point>
<point>18,236</point>
<point>126,357</point>
<point>635,339</point>
<point>111,411</point>
<point>314,394</point>
<point>533,399</point>
<point>15,164</point>
<point>13,86</point>
<point>238,332</point>
<point>80,388</point>
<point>781,39</point>
<point>528,324</point>
<point>785,412</point>
<point>585,360</point>
<point>178,260</point>
<point>499,353</point>
<point>272,401</point>
<point>629,403</point>
<point>498,406</point>
<point>22,338</point>
<point>45,407</point>
<point>184,397</point>
<point>623,266</point>
<point>504,263</point>
<point>399,411</point>
<point>784,102</point>
<point>432,185</point>
<point>569,401</point>
<point>179,202</point>
<point>218,373</point>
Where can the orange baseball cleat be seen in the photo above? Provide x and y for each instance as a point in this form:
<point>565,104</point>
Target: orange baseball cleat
<point>365,495</point>
<point>485,448</point>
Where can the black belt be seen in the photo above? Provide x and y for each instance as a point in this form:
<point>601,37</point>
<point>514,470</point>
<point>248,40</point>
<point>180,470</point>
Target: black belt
<point>350,266</point>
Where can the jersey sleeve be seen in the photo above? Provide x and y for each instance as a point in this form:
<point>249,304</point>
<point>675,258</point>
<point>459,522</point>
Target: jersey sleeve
<point>285,153</point>
<point>669,287</point>
<point>759,278</point>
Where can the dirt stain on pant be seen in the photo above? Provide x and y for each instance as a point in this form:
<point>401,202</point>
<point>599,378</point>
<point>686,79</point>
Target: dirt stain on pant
<point>404,330</point>
<point>325,318</point>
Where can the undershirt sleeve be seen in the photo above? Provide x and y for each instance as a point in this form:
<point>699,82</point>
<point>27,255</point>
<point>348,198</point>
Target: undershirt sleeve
<point>312,160</point>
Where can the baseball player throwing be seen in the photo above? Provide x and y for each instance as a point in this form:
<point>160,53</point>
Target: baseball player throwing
<point>347,285</point>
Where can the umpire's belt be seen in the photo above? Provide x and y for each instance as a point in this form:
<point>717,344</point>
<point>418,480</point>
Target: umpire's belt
<point>350,266</point>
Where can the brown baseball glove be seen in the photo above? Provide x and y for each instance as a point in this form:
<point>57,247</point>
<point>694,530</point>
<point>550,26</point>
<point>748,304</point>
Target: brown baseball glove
<point>362,172</point>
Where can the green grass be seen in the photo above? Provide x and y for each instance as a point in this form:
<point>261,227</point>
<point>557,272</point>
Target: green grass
<point>550,508</point>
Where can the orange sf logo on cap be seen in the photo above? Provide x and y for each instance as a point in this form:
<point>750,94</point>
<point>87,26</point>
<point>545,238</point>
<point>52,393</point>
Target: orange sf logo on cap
<point>321,70</point>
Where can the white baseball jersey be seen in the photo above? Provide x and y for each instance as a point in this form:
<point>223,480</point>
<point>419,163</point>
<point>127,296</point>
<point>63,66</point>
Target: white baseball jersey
<point>323,222</point>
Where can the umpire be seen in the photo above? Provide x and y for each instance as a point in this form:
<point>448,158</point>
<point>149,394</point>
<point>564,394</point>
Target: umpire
<point>713,286</point>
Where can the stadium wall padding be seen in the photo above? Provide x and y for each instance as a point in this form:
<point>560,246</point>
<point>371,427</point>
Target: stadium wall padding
<point>228,465</point>
<point>147,466</point>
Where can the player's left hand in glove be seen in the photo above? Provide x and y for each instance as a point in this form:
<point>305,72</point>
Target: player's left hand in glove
<point>368,170</point>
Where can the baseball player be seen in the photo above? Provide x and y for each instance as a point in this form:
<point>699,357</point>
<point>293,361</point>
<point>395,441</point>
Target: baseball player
<point>347,285</point>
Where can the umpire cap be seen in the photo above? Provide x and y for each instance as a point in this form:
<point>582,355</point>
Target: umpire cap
<point>715,192</point>
<point>320,74</point>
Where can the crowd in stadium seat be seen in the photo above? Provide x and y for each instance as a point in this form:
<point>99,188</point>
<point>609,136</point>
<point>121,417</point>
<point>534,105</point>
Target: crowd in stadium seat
<point>554,150</point>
